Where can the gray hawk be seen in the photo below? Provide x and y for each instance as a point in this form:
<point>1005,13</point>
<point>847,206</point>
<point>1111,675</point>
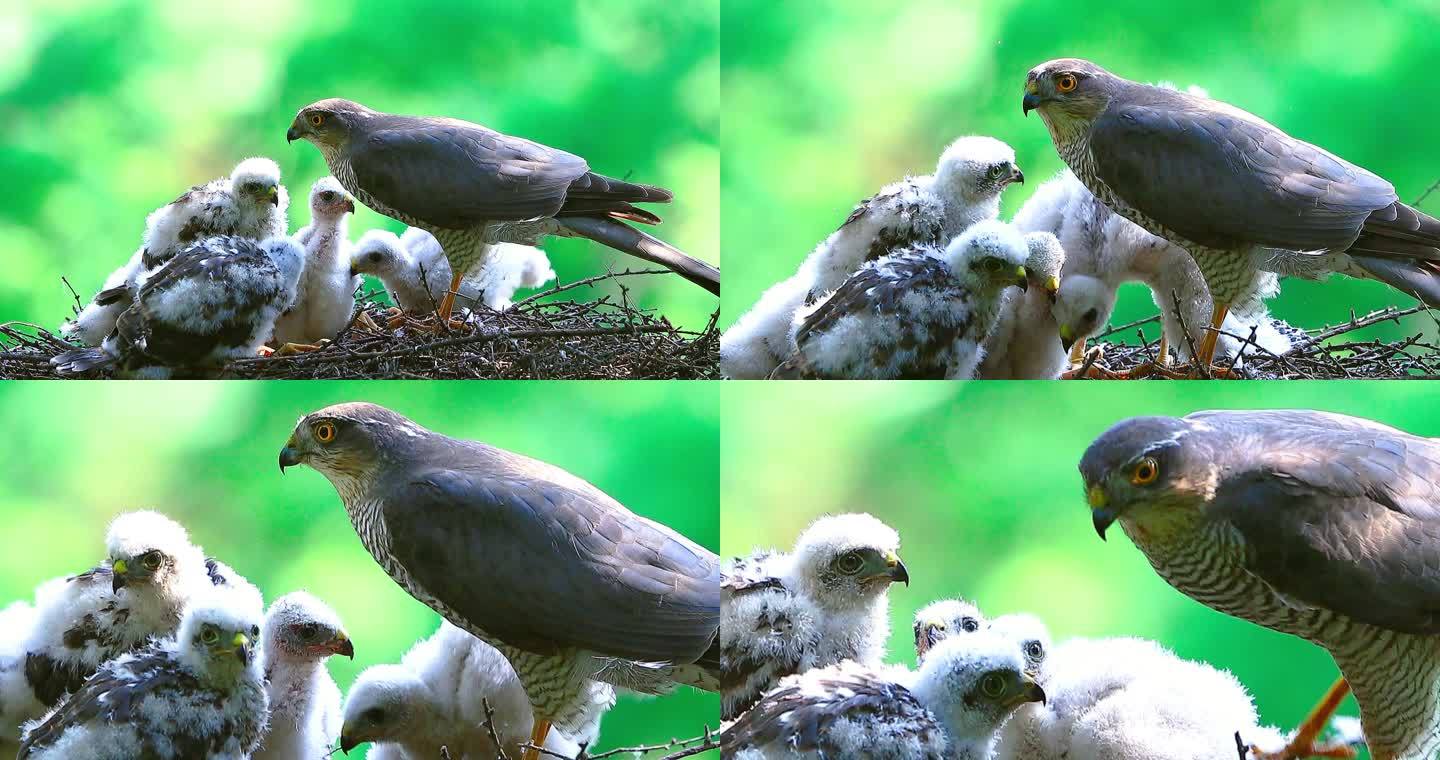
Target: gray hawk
<point>1236,192</point>
<point>574,586</point>
<point>1318,525</point>
<point>472,187</point>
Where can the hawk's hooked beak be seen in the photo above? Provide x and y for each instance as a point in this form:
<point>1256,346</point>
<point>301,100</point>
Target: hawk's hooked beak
<point>1067,336</point>
<point>1100,514</point>
<point>1031,693</point>
<point>293,133</point>
<point>1022,278</point>
<point>274,196</point>
<point>341,644</point>
<point>1017,176</point>
<point>289,456</point>
<point>350,206</point>
<point>349,742</point>
<point>1030,103</point>
<point>117,576</point>
<point>242,648</point>
<point>897,571</point>
<point>1052,287</point>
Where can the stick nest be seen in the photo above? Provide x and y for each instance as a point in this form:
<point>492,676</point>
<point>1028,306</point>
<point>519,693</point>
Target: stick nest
<point>1327,353</point>
<point>539,337</point>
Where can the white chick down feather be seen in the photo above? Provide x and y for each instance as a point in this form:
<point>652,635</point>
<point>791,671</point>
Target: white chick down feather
<point>250,203</point>
<point>1025,342</point>
<point>949,709</point>
<point>200,694</point>
<point>917,314</point>
<point>1129,699</point>
<point>1104,250</point>
<point>325,294</point>
<point>927,210</point>
<point>300,632</point>
<point>823,603</point>
<point>415,272</point>
<point>435,698</point>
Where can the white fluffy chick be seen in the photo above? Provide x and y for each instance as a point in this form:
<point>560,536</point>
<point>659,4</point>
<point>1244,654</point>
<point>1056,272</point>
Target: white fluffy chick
<point>414,270</point>
<point>301,632</point>
<point>436,698</point>
<point>1129,699</point>
<point>1025,342</point>
<point>927,210</point>
<point>917,314</point>
<point>250,203</point>
<point>823,603</point>
<point>325,294</point>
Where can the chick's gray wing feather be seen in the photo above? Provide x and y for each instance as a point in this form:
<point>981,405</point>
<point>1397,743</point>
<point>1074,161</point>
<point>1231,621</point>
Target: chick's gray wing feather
<point>1345,519</point>
<point>456,175</point>
<point>543,566</point>
<point>1224,180</point>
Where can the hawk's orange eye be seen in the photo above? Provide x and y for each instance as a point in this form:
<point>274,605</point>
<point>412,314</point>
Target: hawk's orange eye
<point>317,119</point>
<point>324,432</point>
<point>1145,472</point>
<point>1066,82</point>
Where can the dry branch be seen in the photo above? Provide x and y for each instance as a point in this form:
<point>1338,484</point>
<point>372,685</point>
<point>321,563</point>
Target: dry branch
<point>540,337</point>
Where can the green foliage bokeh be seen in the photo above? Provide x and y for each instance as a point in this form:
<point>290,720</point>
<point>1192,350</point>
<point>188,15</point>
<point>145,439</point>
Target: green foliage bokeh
<point>980,481</point>
<point>111,109</point>
<point>206,454</point>
<point>825,102</point>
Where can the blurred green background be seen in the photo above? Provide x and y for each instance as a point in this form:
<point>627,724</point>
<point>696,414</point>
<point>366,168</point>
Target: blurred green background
<point>980,481</point>
<point>205,454</point>
<point>825,102</point>
<point>112,109</point>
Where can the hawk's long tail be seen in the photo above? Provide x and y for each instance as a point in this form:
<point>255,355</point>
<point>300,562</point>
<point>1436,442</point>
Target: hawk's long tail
<point>624,238</point>
<point>1400,246</point>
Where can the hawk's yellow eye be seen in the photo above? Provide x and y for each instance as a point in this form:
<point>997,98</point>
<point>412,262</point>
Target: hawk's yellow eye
<point>993,685</point>
<point>324,431</point>
<point>1066,82</point>
<point>1146,471</point>
<point>317,119</point>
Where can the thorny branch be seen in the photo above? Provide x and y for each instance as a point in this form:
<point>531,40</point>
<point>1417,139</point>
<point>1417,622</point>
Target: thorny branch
<point>540,336</point>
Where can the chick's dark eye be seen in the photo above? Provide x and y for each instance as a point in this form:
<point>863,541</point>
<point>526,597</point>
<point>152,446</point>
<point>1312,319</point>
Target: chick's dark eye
<point>996,171</point>
<point>970,625</point>
<point>1034,650</point>
<point>327,196</point>
<point>993,685</point>
<point>1092,315</point>
<point>374,715</point>
<point>1066,82</point>
<point>151,561</point>
<point>375,257</point>
<point>850,563</point>
<point>309,631</point>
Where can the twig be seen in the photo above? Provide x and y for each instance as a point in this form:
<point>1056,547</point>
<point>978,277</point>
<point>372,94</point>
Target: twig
<point>490,729</point>
<point>683,748</point>
<point>1427,193</point>
<point>1127,326</point>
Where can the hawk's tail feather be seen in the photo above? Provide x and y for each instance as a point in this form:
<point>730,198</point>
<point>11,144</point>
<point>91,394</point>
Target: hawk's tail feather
<point>636,243</point>
<point>593,186</point>
<point>606,207</point>
<point>1420,279</point>
<point>80,361</point>
<point>1400,222</point>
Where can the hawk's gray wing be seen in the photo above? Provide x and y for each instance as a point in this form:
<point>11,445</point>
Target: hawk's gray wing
<point>545,566</point>
<point>1344,517</point>
<point>457,175</point>
<point>1224,179</point>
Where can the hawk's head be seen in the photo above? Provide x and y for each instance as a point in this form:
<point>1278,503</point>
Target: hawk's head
<point>348,443</point>
<point>385,704</point>
<point>1068,91</point>
<point>1149,472</point>
<point>327,123</point>
<point>973,683</point>
<point>380,253</point>
<point>1046,259</point>
<point>256,182</point>
<point>1082,306</point>
<point>329,200</point>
